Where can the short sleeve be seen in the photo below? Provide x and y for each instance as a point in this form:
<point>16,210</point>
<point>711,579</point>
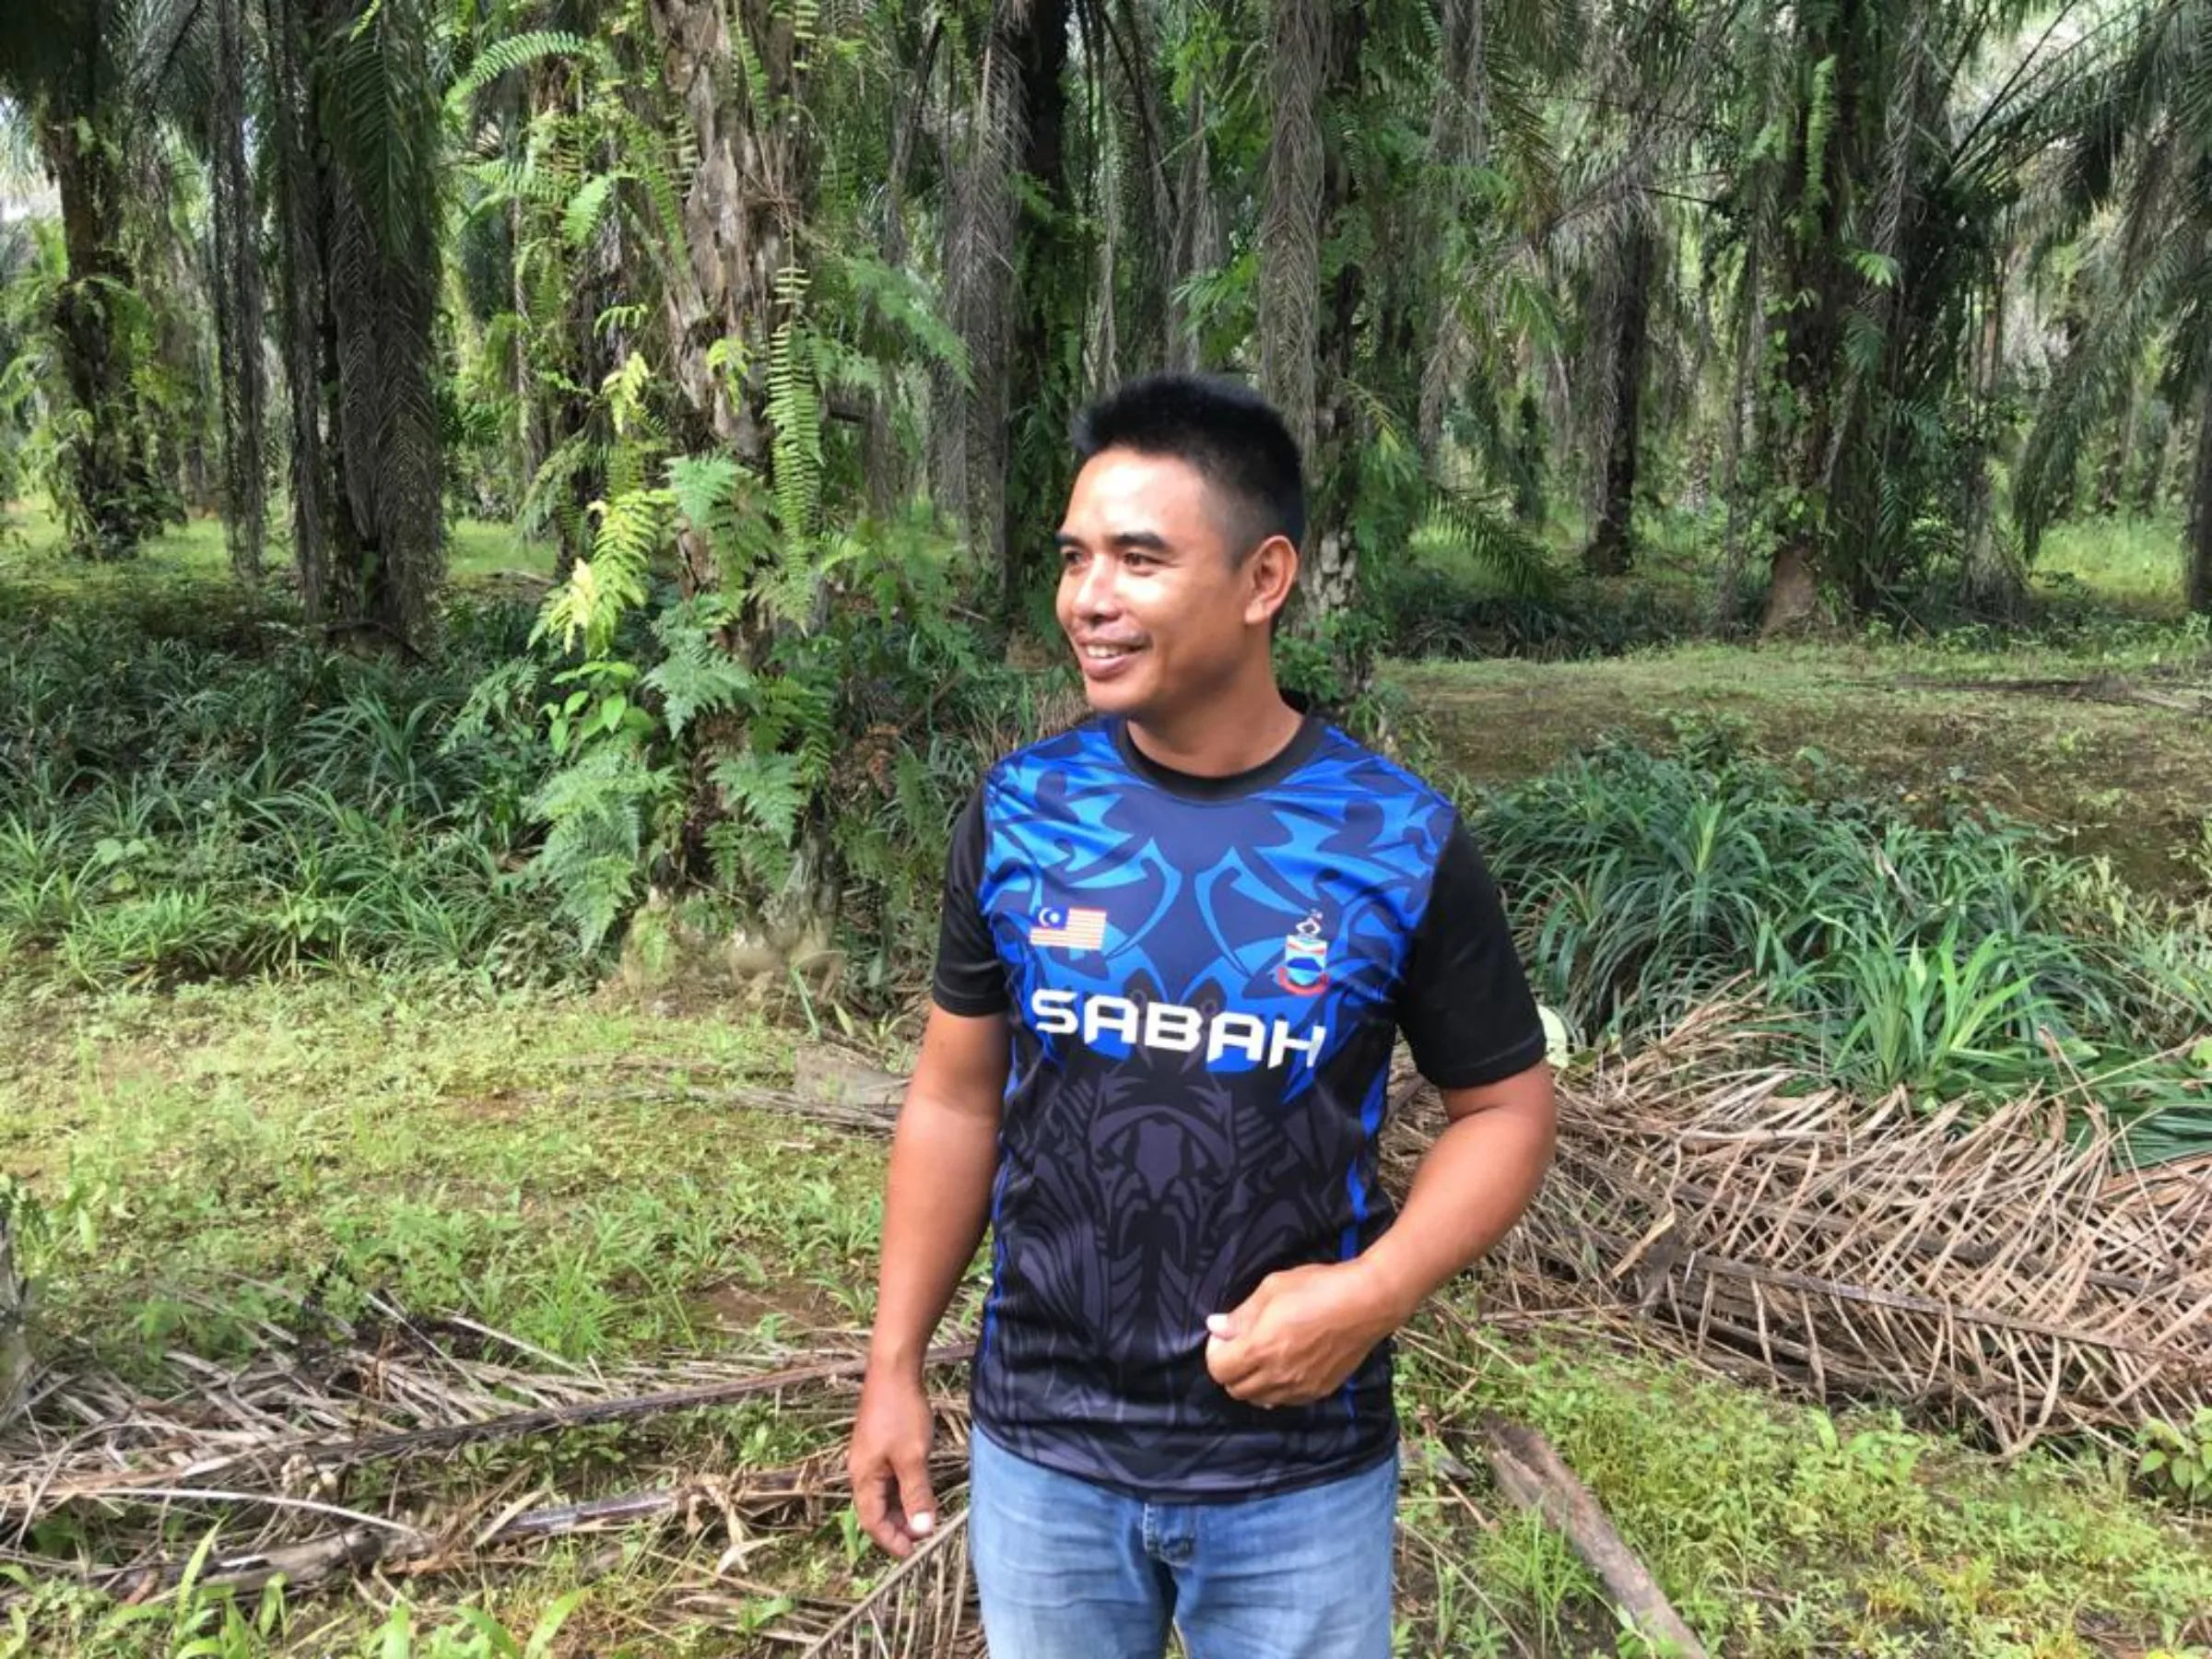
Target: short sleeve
<point>970,977</point>
<point>1464,1003</point>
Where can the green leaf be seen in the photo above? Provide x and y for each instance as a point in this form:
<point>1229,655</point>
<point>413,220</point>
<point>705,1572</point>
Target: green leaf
<point>766,788</point>
<point>1880,269</point>
<point>398,1633</point>
<point>549,1626</point>
<point>503,57</point>
<point>703,486</point>
<point>697,676</point>
<point>581,222</point>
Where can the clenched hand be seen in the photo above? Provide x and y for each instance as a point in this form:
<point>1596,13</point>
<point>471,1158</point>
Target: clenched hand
<point>888,1461</point>
<point>1298,1337</point>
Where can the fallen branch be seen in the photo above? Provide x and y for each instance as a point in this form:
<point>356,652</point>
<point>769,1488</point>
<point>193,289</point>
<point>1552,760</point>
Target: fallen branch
<point>2100,689</point>
<point>1536,1477</point>
<point>301,1454</point>
<point>15,1347</point>
<point>373,1542</point>
<point>353,1550</point>
<point>941,1608</point>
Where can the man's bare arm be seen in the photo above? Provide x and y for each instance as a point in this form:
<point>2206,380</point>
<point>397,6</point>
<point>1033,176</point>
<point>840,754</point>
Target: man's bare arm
<point>936,1202</point>
<point>1473,1183</point>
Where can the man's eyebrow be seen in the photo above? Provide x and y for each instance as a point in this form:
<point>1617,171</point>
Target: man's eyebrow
<point>1147,540</point>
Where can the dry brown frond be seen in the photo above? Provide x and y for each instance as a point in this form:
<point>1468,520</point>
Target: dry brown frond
<point>1993,1266</point>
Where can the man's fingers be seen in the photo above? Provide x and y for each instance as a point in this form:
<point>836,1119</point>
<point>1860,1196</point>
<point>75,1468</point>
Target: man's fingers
<point>1231,1364</point>
<point>915,1499</point>
<point>873,1496</point>
<point>1240,1318</point>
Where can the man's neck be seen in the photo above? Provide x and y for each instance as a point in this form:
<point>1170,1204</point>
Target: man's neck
<point>1247,728</point>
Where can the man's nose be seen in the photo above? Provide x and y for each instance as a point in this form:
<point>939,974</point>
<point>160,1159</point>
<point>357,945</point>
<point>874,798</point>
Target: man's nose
<point>1095,589</point>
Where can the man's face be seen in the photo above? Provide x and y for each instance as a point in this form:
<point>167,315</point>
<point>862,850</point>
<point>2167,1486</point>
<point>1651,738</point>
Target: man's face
<point>1153,595</point>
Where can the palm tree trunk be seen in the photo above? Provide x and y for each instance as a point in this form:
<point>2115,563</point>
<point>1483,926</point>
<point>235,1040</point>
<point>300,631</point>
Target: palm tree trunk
<point>1290,321</point>
<point>1812,331</point>
<point>15,1347</point>
<point>2113,476</point>
<point>1047,304</point>
<point>297,189</point>
<point>1332,580</point>
<point>1194,240</point>
<point>239,296</point>
<point>746,187</point>
<point>2151,488</point>
<point>114,490</point>
<point>356,204</point>
<point>1609,553</point>
<point>750,184</point>
<point>1303,371</point>
<point>2200,502</point>
<point>724,294</point>
<point>586,354</point>
<point>884,462</point>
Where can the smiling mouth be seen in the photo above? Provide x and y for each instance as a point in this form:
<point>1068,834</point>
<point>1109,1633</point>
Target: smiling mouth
<point>1103,661</point>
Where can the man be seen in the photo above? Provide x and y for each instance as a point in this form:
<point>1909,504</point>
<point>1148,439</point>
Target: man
<point>1178,943</point>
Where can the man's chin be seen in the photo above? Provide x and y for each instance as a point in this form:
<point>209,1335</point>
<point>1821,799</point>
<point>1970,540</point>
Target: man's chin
<point>1124,694</point>
<point>1112,699</point>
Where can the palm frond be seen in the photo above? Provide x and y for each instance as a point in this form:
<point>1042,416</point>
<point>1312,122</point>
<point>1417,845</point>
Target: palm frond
<point>514,53</point>
<point>2085,389</point>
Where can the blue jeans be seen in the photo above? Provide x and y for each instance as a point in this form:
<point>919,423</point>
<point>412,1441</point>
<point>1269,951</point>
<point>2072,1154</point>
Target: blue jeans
<point>1071,1570</point>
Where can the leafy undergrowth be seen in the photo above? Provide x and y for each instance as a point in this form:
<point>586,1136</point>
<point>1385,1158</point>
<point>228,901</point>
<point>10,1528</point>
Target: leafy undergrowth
<point>1962,962</point>
<point>194,783</point>
<point>577,1173</point>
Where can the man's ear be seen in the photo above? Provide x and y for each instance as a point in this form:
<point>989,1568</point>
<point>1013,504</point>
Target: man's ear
<point>1269,576</point>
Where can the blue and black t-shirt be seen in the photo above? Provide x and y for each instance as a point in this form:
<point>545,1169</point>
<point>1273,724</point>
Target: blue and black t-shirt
<point>1206,977</point>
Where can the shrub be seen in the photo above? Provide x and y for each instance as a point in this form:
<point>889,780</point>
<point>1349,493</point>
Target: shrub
<point>1966,959</point>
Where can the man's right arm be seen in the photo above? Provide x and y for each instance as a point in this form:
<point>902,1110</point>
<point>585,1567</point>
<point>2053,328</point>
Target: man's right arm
<point>936,1202</point>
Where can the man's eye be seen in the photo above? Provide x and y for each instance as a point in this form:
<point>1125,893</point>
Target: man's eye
<point>1139,561</point>
<point>1070,558</point>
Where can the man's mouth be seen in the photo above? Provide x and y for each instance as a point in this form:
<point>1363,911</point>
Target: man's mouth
<point>1105,660</point>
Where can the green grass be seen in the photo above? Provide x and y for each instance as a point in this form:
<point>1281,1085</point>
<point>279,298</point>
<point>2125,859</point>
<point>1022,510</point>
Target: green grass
<point>30,550</point>
<point>2095,582</point>
<point>531,1162</point>
<point>192,783</point>
<point>475,550</point>
<point>1949,961</point>
<point>566,1168</point>
<point>1779,1529</point>
<point>2129,564</point>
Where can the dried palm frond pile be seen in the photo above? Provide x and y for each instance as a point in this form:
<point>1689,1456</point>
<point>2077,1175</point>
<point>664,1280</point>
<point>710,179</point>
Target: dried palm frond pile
<point>335,1456</point>
<point>1990,1266</point>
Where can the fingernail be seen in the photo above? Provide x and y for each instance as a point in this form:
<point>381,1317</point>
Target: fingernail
<point>923,1524</point>
<point>1217,1324</point>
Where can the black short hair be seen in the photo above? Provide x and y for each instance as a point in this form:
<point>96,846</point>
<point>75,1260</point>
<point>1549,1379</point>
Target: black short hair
<point>1224,429</point>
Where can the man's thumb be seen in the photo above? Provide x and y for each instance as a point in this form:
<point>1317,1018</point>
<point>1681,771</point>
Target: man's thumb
<point>915,1496</point>
<point>1227,1328</point>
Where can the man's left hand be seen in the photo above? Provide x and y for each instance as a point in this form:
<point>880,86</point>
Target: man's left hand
<point>1298,1337</point>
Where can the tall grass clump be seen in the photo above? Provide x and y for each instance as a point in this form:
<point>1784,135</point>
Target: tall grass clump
<point>1968,959</point>
<point>239,797</point>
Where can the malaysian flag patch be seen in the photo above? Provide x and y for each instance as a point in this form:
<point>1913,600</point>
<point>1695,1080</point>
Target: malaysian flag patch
<point>1070,929</point>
